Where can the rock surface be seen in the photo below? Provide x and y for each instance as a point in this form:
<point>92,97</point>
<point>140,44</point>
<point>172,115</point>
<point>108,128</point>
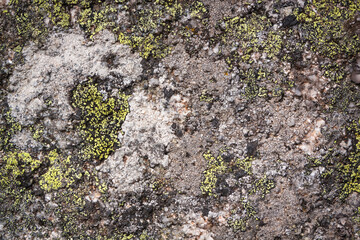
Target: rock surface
<point>179,119</point>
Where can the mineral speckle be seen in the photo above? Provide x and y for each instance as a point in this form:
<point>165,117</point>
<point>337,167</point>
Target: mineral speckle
<point>179,119</point>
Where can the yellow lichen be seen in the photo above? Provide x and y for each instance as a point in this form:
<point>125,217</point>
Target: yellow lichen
<point>101,120</point>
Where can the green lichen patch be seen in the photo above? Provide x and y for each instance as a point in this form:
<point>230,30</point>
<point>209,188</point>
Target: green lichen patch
<point>206,97</point>
<point>198,10</point>
<point>239,221</point>
<point>222,165</point>
<point>341,174</point>
<point>55,10</point>
<point>324,23</point>
<point>215,167</point>
<point>61,173</point>
<point>253,80</point>
<point>351,169</point>
<point>37,132</point>
<point>8,127</point>
<point>146,29</point>
<point>95,21</point>
<point>246,43</point>
<point>342,95</point>
<point>356,219</point>
<point>14,165</point>
<point>262,186</point>
<point>101,119</point>
<point>17,175</point>
<point>246,37</point>
<point>335,72</point>
<point>151,27</point>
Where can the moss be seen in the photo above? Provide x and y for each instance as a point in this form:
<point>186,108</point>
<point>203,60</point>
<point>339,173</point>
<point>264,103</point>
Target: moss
<point>101,120</point>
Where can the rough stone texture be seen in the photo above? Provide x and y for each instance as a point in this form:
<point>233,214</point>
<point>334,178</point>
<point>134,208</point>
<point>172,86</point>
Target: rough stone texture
<point>243,120</point>
<point>41,88</point>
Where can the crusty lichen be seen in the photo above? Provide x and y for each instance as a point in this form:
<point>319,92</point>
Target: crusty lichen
<point>215,166</point>
<point>95,21</point>
<point>151,29</point>
<point>351,169</point>
<point>7,129</point>
<point>101,119</point>
<point>240,221</point>
<point>15,165</point>
<point>341,172</point>
<point>324,23</point>
<point>263,186</point>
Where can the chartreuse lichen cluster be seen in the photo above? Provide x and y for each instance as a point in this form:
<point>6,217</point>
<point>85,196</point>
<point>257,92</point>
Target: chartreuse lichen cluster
<point>215,166</point>
<point>243,33</point>
<point>252,78</point>
<point>225,165</point>
<point>7,129</point>
<point>17,175</point>
<point>146,31</point>
<point>334,72</point>
<point>325,25</point>
<point>356,219</point>
<point>247,40</point>
<point>16,164</point>
<point>351,169</point>
<point>95,21</point>
<point>61,173</point>
<point>245,36</point>
<point>341,172</point>
<point>66,183</point>
<point>342,96</point>
<point>101,119</point>
<point>262,186</point>
<point>239,220</point>
<point>151,28</point>
<point>206,97</point>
